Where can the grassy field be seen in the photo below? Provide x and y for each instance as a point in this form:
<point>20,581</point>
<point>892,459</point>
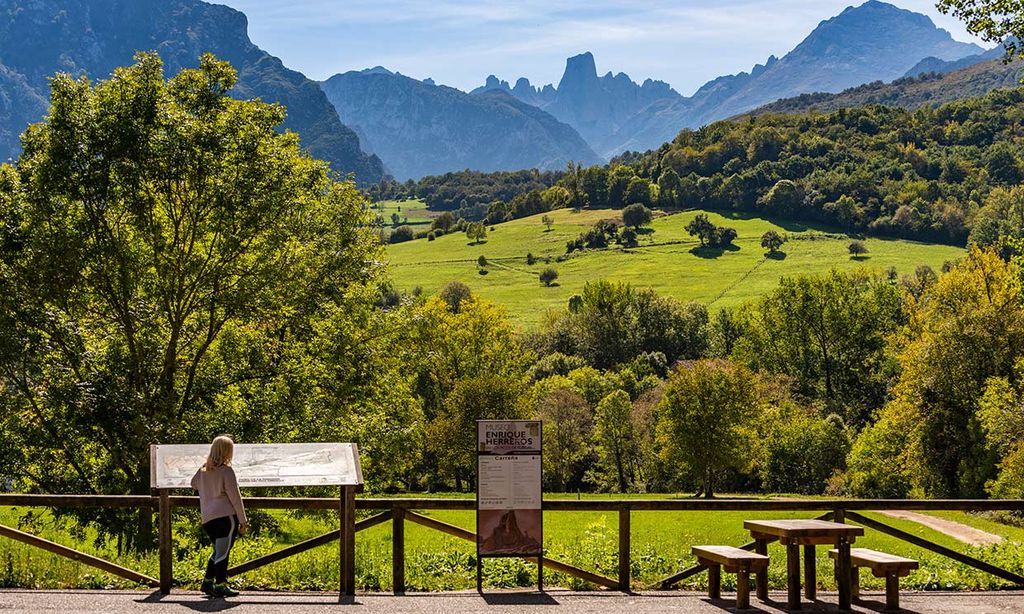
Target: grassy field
<point>412,212</point>
<point>668,260</point>
<point>434,561</point>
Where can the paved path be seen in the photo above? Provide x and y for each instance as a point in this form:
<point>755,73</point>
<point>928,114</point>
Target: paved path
<point>957,530</point>
<point>553,602</point>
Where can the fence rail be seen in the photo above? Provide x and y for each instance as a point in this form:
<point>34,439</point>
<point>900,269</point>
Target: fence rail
<point>402,509</point>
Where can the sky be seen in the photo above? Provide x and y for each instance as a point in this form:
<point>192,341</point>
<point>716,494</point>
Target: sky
<point>460,42</point>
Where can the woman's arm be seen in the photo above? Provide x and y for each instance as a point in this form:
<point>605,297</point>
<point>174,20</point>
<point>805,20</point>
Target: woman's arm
<point>234,495</point>
<point>195,479</point>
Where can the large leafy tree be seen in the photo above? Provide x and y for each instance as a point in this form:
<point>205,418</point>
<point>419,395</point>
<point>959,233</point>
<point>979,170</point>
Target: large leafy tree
<point>708,416</point>
<point>173,266</point>
<point>969,329</point>
<point>828,332</point>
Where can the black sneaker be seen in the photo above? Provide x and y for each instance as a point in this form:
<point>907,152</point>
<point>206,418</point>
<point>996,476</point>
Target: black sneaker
<point>223,590</point>
<point>207,587</point>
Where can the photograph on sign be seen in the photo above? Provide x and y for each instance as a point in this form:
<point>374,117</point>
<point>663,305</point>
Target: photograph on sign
<point>293,464</point>
<point>510,532</point>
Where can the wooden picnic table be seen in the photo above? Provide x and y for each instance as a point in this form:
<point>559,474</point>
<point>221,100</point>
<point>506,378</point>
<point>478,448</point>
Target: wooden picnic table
<point>807,533</point>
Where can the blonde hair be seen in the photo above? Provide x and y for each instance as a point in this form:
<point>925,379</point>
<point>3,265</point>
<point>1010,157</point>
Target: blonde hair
<point>221,451</point>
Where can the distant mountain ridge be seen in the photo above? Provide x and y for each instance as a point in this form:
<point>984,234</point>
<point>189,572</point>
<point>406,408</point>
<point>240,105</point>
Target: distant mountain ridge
<point>871,42</point>
<point>41,37</point>
<point>927,89</point>
<point>424,129</point>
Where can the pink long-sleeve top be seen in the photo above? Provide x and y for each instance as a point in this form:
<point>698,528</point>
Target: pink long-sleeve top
<point>218,494</point>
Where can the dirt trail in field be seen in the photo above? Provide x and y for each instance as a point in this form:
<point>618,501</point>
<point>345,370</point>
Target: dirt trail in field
<point>956,530</point>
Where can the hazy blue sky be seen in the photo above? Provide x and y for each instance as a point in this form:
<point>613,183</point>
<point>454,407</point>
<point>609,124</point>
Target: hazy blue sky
<point>460,42</point>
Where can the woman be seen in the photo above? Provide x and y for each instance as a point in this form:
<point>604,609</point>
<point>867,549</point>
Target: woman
<point>223,515</point>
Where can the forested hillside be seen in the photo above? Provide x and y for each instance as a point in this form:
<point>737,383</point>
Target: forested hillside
<point>927,173</point>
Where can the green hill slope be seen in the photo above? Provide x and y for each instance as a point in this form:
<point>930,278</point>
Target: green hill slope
<point>667,260</point>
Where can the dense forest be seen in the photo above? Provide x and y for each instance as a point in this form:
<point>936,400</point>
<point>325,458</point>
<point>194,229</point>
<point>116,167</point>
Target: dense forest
<point>930,173</point>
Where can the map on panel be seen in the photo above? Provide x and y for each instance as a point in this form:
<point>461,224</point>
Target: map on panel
<point>275,464</point>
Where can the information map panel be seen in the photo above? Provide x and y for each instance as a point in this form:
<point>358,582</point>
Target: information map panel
<point>272,464</point>
<point>509,494</point>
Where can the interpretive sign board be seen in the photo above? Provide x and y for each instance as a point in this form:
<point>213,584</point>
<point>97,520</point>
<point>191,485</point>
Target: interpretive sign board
<point>509,518</point>
<point>273,464</point>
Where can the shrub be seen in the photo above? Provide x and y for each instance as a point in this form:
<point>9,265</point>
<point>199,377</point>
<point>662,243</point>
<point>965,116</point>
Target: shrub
<point>857,248</point>
<point>455,294</point>
<point>772,241</point>
<point>548,276</point>
<point>401,234</point>
<point>481,261</point>
<point>636,215</point>
<point>530,259</point>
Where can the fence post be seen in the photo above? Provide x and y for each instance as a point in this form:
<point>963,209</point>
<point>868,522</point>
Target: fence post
<point>166,546</point>
<point>398,549</point>
<point>624,548</point>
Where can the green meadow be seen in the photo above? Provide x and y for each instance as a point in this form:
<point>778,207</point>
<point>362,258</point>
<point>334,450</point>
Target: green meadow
<point>668,260</point>
<point>411,212</point>
<point>434,561</point>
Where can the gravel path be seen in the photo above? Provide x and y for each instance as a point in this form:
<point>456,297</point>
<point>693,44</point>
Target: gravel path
<point>957,530</point>
<point>560,602</point>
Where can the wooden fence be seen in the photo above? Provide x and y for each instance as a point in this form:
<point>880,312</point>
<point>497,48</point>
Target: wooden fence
<point>398,511</point>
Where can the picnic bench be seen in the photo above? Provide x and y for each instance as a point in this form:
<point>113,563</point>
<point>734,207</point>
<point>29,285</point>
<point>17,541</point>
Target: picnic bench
<point>882,565</point>
<point>807,533</point>
<point>733,560</point>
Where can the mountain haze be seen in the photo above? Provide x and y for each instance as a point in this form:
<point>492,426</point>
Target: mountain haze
<point>927,89</point>
<point>92,37</point>
<point>424,129</point>
<point>875,41</point>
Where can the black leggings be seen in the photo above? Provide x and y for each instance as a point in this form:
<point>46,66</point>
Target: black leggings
<point>222,532</point>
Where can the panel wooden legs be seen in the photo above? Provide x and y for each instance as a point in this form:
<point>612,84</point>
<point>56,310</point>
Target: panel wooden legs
<point>166,544</point>
<point>348,541</point>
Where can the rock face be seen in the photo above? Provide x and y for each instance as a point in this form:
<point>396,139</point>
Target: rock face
<point>92,37</point>
<point>596,106</point>
<point>425,129</point>
<point>872,42</point>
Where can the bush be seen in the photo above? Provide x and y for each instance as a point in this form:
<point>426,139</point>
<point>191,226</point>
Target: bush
<point>401,234</point>
<point>857,248</point>
<point>636,215</point>
<point>802,454</point>
<point>455,293</point>
<point>724,237</point>
<point>530,259</point>
<point>481,261</point>
<point>430,236</point>
<point>772,241</point>
<point>548,276</point>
